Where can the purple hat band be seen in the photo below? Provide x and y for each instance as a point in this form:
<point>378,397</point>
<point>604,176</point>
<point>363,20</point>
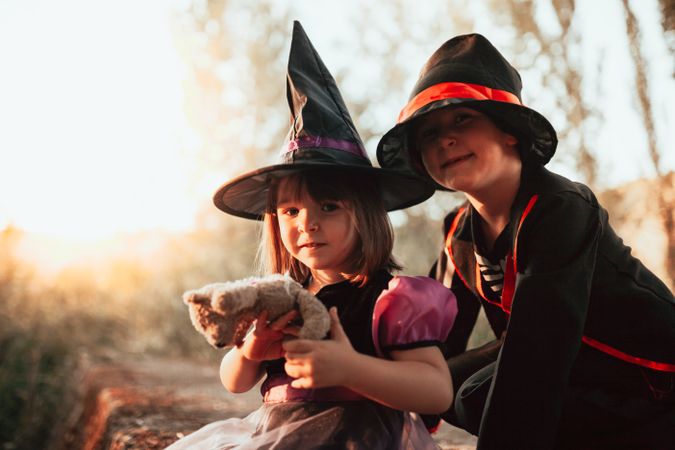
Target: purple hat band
<point>320,141</point>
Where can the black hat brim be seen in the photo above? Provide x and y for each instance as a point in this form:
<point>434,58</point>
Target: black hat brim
<point>247,195</point>
<point>537,137</point>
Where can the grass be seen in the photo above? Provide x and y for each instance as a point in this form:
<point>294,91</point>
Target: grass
<point>35,381</point>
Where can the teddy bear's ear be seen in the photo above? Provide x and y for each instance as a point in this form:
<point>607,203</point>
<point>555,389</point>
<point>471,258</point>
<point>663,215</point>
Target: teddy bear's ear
<point>196,297</point>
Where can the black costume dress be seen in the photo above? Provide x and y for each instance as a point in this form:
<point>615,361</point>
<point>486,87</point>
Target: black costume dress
<point>588,358</point>
<point>389,313</point>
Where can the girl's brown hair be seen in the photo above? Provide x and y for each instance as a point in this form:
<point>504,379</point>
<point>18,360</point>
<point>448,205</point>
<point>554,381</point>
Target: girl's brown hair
<point>363,201</point>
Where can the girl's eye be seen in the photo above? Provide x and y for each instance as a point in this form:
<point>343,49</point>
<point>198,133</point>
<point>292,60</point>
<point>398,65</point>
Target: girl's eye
<point>292,212</point>
<point>329,207</point>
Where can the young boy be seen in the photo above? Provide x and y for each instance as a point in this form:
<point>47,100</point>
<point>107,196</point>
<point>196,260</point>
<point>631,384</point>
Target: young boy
<point>587,356</point>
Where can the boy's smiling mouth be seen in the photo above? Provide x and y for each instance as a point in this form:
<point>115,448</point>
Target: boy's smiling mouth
<point>457,160</point>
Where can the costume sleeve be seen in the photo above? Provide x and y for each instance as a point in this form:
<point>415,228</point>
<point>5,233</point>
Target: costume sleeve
<point>555,256</point>
<point>412,312</point>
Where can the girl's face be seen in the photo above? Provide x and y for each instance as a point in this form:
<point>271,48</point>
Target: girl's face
<point>321,234</point>
<point>462,149</point>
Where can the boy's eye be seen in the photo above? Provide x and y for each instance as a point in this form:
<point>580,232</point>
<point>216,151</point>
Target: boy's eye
<point>427,133</point>
<point>461,118</point>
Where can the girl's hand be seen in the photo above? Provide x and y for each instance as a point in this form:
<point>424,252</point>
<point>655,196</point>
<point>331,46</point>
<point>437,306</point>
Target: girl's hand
<point>264,341</point>
<point>316,364</point>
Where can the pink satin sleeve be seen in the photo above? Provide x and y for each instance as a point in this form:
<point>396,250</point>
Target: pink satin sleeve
<point>412,312</point>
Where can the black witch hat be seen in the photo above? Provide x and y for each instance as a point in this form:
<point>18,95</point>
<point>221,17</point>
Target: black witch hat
<point>469,71</point>
<point>322,135</point>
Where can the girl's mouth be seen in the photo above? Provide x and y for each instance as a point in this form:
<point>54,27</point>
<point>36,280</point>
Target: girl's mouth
<point>312,245</point>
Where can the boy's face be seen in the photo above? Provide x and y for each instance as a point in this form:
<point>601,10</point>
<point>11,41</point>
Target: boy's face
<point>463,150</point>
<point>320,234</point>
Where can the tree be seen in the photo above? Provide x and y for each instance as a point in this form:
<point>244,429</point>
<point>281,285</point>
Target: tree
<point>663,192</point>
<point>235,99</point>
<point>667,8</point>
<point>556,61</point>
<point>235,53</point>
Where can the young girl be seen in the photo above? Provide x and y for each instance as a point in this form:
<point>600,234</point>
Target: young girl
<point>326,225</point>
<point>588,355</point>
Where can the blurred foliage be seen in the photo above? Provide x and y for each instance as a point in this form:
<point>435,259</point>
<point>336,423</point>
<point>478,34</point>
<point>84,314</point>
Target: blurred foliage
<point>663,191</point>
<point>53,329</point>
<point>35,362</point>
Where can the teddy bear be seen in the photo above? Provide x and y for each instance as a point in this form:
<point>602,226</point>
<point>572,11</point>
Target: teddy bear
<point>224,312</point>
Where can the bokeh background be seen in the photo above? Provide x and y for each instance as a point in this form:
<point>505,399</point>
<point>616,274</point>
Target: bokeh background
<point>119,119</point>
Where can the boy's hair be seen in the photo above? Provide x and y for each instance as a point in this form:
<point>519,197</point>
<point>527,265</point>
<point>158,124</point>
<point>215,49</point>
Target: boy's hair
<point>362,198</point>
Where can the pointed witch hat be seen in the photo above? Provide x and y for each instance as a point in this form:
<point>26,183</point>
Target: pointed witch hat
<point>322,135</point>
<point>468,71</point>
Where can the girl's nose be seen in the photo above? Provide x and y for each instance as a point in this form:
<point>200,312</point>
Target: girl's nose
<point>308,222</point>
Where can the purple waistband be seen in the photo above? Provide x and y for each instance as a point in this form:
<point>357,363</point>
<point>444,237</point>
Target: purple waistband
<point>320,141</point>
<point>277,389</point>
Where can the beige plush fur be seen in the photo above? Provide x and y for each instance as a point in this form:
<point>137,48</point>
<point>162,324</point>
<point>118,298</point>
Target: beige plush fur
<point>223,312</point>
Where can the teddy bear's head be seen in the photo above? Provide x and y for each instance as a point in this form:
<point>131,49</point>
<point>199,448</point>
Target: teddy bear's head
<point>224,312</point>
<point>217,331</point>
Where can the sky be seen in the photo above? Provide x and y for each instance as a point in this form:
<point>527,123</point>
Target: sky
<point>93,130</point>
<point>94,138</point>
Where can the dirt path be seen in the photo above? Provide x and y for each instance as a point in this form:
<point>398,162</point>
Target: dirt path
<point>148,404</point>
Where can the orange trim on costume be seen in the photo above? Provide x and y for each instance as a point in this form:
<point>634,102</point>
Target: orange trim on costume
<point>442,91</point>
<point>509,288</point>
<point>663,367</point>
<point>512,263</point>
<point>448,244</point>
<point>528,208</point>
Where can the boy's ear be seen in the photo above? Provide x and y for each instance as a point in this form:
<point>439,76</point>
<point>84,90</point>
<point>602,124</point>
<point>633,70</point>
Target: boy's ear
<point>511,140</point>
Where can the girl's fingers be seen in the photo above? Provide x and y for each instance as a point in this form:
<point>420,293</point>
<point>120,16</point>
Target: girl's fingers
<point>292,330</point>
<point>301,383</point>
<point>336,331</point>
<point>299,346</point>
<point>281,323</point>
<point>259,326</point>
<point>261,320</point>
<point>294,369</point>
<point>295,359</point>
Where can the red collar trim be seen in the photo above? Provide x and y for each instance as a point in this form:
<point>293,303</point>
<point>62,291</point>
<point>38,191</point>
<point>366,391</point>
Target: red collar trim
<point>509,289</point>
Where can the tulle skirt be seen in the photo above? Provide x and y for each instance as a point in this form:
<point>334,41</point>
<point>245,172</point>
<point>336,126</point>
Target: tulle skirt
<point>309,425</point>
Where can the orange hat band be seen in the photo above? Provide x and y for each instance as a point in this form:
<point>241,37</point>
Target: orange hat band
<point>444,91</point>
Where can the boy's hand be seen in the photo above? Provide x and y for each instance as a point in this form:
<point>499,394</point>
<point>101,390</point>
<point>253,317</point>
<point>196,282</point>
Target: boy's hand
<point>264,341</point>
<point>316,364</point>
